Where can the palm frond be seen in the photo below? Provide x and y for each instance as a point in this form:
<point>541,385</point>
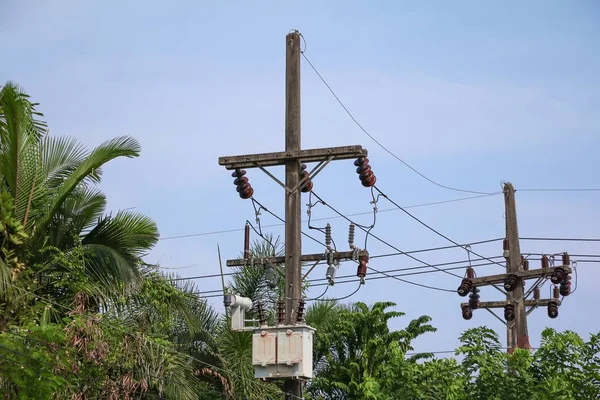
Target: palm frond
<point>60,157</point>
<point>106,266</point>
<point>129,234</point>
<point>119,147</point>
<point>20,150</point>
<point>322,313</point>
<point>78,214</point>
<point>5,278</point>
<point>84,208</point>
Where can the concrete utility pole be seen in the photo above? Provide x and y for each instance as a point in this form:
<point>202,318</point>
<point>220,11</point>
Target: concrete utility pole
<point>273,358</point>
<point>514,264</point>
<point>517,272</point>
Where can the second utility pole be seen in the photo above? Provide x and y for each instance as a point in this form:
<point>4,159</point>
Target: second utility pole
<point>293,207</point>
<point>517,334</point>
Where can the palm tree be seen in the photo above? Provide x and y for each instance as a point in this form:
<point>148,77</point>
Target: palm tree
<point>57,242</point>
<point>356,355</point>
<point>51,181</point>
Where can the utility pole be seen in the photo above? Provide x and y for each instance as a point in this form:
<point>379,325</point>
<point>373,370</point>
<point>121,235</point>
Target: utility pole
<point>514,264</point>
<point>517,272</point>
<point>284,351</point>
<point>293,210</point>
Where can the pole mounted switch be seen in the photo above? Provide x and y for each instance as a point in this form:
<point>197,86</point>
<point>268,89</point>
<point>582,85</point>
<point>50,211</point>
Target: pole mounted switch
<point>238,305</point>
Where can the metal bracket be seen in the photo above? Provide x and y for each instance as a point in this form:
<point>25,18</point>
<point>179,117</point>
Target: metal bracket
<point>498,289</point>
<point>531,309</point>
<point>310,270</point>
<point>494,314</point>
<point>314,172</point>
<point>263,169</point>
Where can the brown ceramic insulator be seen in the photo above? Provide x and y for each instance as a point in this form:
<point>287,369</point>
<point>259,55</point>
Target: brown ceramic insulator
<point>247,241</point>
<point>470,273</point>
<point>361,271</point>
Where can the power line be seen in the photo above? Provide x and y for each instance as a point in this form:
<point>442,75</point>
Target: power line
<point>417,268</point>
<point>324,281</point>
<point>373,257</point>
<point>439,248</point>
<point>385,274</point>
<point>414,283</point>
<point>415,353</point>
<point>323,244</point>
<point>572,255</point>
<point>378,142</point>
<point>360,285</point>
<point>560,190</point>
<point>217,232</point>
<point>431,228</point>
<point>562,239</point>
<point>375,236</point>
<point>283,221</point>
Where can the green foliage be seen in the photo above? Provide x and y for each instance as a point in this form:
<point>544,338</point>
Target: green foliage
<point>33,365</point>
<point>357,356</point>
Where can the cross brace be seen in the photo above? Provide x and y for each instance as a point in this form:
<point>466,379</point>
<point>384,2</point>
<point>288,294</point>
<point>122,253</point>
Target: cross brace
<point>525,275</point>
<point>501,304</point>
<point>340,256</point>
<point>280,158</point>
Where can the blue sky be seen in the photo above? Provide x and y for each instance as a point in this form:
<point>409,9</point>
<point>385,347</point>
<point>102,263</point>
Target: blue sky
<point>470,93</point>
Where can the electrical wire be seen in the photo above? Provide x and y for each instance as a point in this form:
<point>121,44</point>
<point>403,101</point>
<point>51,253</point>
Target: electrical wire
<point>319,296</point>
<point>378,238</point>
<point>310,206</point>
<point>208,233</point>
<point>385,275</point>
<point>259,233</point>
<point>415,353</point>
<point>414,268</point>
<point>413,283</point>
<point>282,220</point>
<point>562,239</point>
<point>323,281</point>
<point>370,228</point>
<point>370,257</point>
<point>257,218</point>
<point>429,227</point>
<point>572,255</point>
<point>183,267</point>
<point>561,190</point>
<point>395,248</point>
<point>378,142</point>
<point>343,298</point>
<point>437,248</point>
